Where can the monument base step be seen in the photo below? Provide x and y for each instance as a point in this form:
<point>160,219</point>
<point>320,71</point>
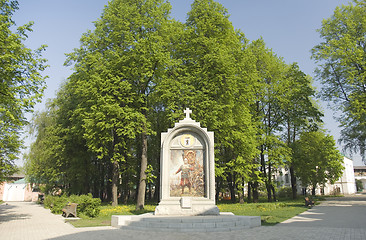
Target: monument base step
<point>150,222</point>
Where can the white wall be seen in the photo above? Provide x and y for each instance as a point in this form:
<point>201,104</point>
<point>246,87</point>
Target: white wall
<point>345,184</point>
<point>14,192</point>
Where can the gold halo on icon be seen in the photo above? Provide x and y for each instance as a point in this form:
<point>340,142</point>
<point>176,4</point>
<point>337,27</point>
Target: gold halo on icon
<point>190,155</point>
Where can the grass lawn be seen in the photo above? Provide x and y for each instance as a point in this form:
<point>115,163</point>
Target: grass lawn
<point>271,213</point>
<point>105,215</point>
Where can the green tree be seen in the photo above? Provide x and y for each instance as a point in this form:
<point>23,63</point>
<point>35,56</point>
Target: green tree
<point>301,112</point>
<point>60,158</point>
<point>43,163</point>
<point>209,75</point>
<point>342,63</point>
<point>21,84</point>
<point>119,64</point>
<point>317,160</point>
<point>268,109</point>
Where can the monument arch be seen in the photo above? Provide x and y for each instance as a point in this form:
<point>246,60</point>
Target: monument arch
<point>187,177</point>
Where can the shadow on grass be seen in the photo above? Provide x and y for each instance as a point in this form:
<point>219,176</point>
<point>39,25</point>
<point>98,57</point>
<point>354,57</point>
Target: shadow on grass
<point>267,224</point>
<point>138,212</point>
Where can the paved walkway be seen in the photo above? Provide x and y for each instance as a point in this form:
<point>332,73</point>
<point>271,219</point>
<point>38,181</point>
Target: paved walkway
<point>338,218</point>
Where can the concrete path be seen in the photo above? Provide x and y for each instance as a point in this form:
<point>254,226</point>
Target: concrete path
<point>25,220</point>
<point>338,218</point>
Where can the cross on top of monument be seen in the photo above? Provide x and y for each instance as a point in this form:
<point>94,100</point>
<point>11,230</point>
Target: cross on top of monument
<point>188,112</point>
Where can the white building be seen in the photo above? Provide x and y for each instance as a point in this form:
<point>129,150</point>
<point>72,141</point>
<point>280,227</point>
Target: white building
<point>360,174</point>
<point>16,189</point>
<point>345,184</point>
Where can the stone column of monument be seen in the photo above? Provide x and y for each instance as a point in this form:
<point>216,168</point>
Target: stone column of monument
<point>187,165</point>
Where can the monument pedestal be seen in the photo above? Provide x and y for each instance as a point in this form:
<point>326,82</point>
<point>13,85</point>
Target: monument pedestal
<point>224,222</point>
<point>187,206</point>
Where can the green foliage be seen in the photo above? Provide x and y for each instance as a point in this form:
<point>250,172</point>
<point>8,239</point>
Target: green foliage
<point>210,75</point>
<point>359,185</point>
<point>282,108</point>
<point>133,76</point>
<point>43,161</point>
<point>87,205</point>
<point>317,159</point>
<point>285,192</point>
<point>21,84</point>
<point>55,203</point>
<point>342,63</point>
<point>118,65</point>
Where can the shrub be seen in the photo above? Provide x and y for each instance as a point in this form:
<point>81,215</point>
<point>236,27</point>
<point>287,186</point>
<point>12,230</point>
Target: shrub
<point>55,203</point>
<point>87,205</point>
<point>285,192</point>
<point>359,185</point>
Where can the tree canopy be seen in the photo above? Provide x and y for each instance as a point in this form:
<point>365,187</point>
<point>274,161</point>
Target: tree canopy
<point>21,84</point>
<point>342,63</point>
<point>317,159</point>
<point>136,71</point>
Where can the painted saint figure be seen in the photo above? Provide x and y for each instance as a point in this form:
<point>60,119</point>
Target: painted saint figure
<point>185,170</point>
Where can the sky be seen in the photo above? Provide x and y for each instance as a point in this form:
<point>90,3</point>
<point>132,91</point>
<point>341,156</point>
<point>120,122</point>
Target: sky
<point>288,27</point>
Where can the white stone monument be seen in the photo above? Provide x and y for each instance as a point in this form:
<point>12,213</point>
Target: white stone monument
<point>187,165</point>
<point>187,187</point>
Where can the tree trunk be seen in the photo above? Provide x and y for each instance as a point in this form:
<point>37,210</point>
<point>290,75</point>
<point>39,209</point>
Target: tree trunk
<point>96,180</point>
<point>292,171</point>
<point>108,182</point>
<point>102,185</point>
<point>293,182</point>
<point>125,190</point>
<point>269,177</point>
<point>142,183</point>
<point>255,192</point>
<point>87,179</point>
<point>265,176</point>
<point>249,192</point>
<point>241,193</point>
<point>270,186</point>
<point>273,193</point>
<point>231,184</point>
<point>313,190</point>
<point>115,178</point>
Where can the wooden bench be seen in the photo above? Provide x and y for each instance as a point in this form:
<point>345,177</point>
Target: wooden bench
<point>308,202</point>
<point>69,209</point>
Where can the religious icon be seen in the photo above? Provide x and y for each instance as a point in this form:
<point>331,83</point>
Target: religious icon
<point>187,178</point>
<point>185,170</point>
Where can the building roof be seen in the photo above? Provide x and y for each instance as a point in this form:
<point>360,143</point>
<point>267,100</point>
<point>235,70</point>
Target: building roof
<point>17,175</point>
<point>359,167</point>
<point>20,181</point>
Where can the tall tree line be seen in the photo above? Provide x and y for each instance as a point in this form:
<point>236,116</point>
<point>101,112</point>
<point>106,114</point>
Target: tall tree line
<point>133,76</point>
<point>21,84</point>
<point>341,57</point>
